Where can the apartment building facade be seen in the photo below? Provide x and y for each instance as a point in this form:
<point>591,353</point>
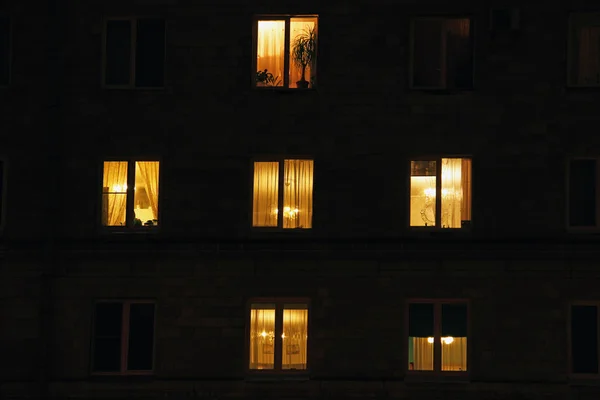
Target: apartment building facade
<point>299,200</point>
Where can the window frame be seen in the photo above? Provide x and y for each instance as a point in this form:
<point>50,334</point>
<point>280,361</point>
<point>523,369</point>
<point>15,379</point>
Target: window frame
<point>286,57</point>
<point>132,53</point>
<point>280,193</point>
<point>572,375</point>
<point>277,371</point>
<point>10,49</point>
<point>581,229</point>
<point>571,42</point>
<point>437,372</point>
<point>124,347</point>
<point>3,193</point>
<point>129,215</point>
<point>411,63</point>
<point>438,202</point>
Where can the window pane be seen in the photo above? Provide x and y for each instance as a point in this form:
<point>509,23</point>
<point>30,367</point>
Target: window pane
<point>427,52</point>
<point>422,193</point>
<point>459,53</point>
<point>150,53</point>
<point>303,51</point>
<point>298,194</point>
<point>107,337</point>
<point>294,336</point>
<point>141,337</point>
<point>584,339</point>
<point>146,193</point>
<point>420,337</point>
<point>266,194</point>
<point>4,50</point>
<point>262,335</point>
<point>585,49</point>
<point>114,193</point>
<point>456,192</point>
<point>118,52</point>
<point>270,53</point>
<point>454,337</point>
<point>582,193</point>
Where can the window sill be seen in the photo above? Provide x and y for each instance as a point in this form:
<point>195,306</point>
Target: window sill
<point>117,230</point>
<point>440,377</point>
<point>439,232</point>
<point>584,88</point>
<point>138,376</point>
<point>278,377</point>
<point>584,380</point>
<point>280,89</point>
<point>442,91</point>
<point>134,88</point>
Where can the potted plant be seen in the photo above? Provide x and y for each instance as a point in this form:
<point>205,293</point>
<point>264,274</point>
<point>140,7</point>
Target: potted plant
<point>304,51</point>
<point>265,78</point>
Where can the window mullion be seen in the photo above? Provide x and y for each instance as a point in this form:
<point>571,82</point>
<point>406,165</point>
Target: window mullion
<point>278,332</point>
<point>438,193</point>
<point>125,336</point>
<point>280,195</point>
<point>596,222</point>
<point>286,56</point>
<point>597,335</point>
<point>129,213</point>
<point>437,338</point>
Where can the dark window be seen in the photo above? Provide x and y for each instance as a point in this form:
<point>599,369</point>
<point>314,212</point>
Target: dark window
<point>135,53</point>
<point>584,49</point>
<point>582,193</point>
<point>4,50</point>
<point>442,53</point>
<point>118,52</point>
<point>584,339</point>
<point>123,337</point>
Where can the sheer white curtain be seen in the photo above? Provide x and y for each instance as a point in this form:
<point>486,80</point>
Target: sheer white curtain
<point>295,337</point>
<point>262,335</point>
<point>298,193</point>
<point>114,193</point>
<point>271,48</point>
<point>589,56</point>
<point>454,354</point>
<point>266,192</point>
<point>456,194</point>
<point>422,354</point>
<point>147,172</point>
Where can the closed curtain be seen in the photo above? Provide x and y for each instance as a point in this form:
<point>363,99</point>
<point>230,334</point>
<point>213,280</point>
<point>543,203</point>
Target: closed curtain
<point>271,48</point>
<point>295,337</point>
<point>148,171</point>
<point>298,193</point>
<point>262,335</point>
<point>454,354</point>
<point>589,56</point>
<point>455,205</point>
<point>422,354</point>
<point>114,193</point>
<point>300,26</point>
<point>265,195</point>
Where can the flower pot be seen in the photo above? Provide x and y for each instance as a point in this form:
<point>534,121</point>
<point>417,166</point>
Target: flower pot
<point>302,84</point>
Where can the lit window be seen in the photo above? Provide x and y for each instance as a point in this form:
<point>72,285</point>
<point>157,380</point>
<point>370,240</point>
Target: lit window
<point>583,193</point>
<point>584,338</point>
<point>123,341</point>
<point>134,53</point>
<point>283,196</point>
<point>584,49</point>
<point>451,177</point>
<point>442,53</point>
<point>278,336</point>
<point>286,52</point>
<point>130,193</point>
<point>437,336</point>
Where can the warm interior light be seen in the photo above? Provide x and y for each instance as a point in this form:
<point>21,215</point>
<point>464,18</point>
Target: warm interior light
<point>119,188</point>
<point>448,340</point>
<point>263,334</point>
<point>283,335</point>
<point>429,340</point>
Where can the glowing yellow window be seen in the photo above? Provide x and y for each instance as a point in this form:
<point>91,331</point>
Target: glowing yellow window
<point>437,336</point>
<point>451,177</point>
<point>289,189</point>
<point>130,193</point>
<point>286,51</point>
<point>278,336</point>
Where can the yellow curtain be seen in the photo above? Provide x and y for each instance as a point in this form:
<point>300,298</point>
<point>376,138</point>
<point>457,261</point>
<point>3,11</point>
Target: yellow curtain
<point>262,335</point>
<point>456,191</point>
<point>589,56</point>
<point>295,337</point>
<point>114,193</point>
<point>422,354</point>
<point>466,193</point>
<point>300,26</point>
<point>298,194</point>
<point>266,192</point>
<point>270,48</point>
<point>147,173</point>
<point>454,354</point>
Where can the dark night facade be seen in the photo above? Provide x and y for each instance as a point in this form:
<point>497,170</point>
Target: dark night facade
<point>299,200</point>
